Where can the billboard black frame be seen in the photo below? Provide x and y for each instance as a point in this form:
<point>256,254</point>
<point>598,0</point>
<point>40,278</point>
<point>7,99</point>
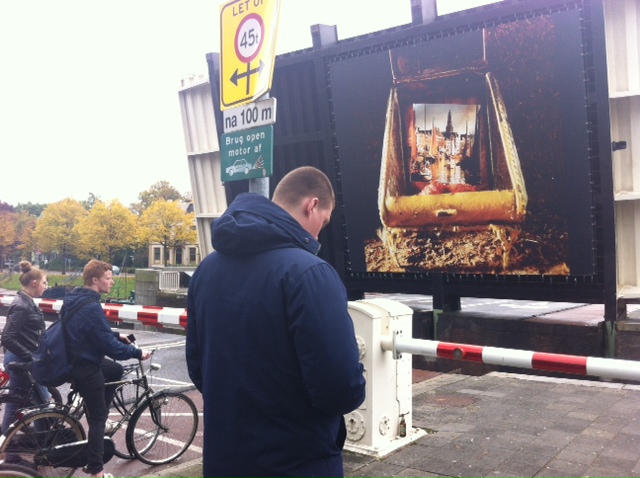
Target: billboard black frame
<point>305,133</point>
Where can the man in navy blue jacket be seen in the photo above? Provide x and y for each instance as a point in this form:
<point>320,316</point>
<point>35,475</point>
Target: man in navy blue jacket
<point>270,343</point>
<point>91,338</point>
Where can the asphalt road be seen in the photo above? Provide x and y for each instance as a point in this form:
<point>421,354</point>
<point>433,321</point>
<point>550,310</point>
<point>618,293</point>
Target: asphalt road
<point>169,353</point>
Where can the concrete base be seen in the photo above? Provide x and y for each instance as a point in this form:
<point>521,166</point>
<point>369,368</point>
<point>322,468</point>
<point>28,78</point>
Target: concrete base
<point>171,299</point>
<point>380,452</point>
<point>627,344</point>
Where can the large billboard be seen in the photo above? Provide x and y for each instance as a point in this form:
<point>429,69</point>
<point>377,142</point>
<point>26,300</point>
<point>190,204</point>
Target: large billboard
<point>469,150</point>
<point>471,155</point>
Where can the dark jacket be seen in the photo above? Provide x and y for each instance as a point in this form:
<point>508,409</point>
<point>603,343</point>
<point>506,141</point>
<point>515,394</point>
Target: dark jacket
<point>89,333</point>
<point>24,327</point>
<point>272,348</point>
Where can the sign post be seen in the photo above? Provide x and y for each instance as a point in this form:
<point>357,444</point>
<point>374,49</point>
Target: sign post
<point>248,46</point>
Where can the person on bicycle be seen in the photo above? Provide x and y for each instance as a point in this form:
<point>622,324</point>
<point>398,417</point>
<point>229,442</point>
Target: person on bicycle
<point>91,338</point>
<point>21,335</point>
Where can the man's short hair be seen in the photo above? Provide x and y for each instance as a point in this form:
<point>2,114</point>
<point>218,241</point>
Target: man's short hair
<point>94,268</point>
<point>302,183</point>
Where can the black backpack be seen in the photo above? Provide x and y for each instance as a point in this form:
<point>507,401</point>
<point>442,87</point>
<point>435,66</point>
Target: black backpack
<point>51,364</point>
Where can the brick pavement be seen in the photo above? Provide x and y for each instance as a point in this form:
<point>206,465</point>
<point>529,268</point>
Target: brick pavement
<point>503,424</point>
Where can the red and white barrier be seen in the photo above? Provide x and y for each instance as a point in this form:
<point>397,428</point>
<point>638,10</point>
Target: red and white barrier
<point>574,364</point>
<point>595,366</point>
<point>147,315</point>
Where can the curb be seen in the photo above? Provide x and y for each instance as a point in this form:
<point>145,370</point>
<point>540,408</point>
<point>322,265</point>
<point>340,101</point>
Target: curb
<point>191,468</point>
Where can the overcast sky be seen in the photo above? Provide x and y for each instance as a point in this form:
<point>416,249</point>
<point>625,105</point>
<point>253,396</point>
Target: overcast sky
<point>89,89</point>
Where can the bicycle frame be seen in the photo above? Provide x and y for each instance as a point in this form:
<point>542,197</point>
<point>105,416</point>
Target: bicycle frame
<point>75,403</point>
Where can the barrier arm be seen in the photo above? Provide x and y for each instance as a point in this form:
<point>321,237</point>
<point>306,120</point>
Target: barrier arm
<point>150,315</point>
<point>574,364</point>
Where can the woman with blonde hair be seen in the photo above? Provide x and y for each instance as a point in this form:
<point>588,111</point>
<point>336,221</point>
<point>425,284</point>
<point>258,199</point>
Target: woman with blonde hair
<point>22,333</point>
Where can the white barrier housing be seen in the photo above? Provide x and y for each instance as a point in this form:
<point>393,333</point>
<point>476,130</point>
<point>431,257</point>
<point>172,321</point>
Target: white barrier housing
<point>383,423</point>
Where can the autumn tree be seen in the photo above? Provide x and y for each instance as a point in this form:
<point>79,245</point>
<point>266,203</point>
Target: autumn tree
<point>56,232</point>
<point>108,228</point>
<point>25,226</point>
<point>34,209</point>
<point>7,233</point>
<point>90,201</point>
<point>166,223</point>
<point>161,190</point>
<point>16,233</point>
<point>4,206</point>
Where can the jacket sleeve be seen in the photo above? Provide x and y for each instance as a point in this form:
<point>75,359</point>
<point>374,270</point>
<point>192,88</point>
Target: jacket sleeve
<point>192,348</point>
<point>325,341</point>
<point>16,318</point>
<point>103,338</point>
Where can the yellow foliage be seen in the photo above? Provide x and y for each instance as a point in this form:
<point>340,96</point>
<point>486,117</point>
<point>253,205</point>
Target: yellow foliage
<point>7,229</point>
<point>166,223</point>
<point>55,231</point>
<point>107,228</point>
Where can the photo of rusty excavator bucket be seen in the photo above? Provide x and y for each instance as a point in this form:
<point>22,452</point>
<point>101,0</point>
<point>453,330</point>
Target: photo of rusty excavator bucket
<point>436,176</point>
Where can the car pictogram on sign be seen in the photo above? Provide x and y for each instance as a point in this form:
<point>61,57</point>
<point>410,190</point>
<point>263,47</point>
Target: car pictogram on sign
<point>239,166</point>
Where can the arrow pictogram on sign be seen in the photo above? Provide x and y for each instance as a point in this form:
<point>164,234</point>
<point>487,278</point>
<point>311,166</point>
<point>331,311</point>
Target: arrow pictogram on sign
<point>246,74</point>
<point>248,37</point>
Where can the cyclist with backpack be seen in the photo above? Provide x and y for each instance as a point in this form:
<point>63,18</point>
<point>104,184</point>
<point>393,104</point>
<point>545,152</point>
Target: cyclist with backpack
<point>22,332</point>
<point>90,339</point>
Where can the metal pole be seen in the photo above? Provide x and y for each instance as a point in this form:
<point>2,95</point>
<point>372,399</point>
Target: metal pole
<point>260,185</point>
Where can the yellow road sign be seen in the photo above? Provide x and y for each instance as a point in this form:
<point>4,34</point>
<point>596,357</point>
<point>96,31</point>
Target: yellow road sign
<point>248,31</point>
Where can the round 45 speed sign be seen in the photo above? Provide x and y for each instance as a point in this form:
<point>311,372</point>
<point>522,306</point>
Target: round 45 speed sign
<point>248,39</point>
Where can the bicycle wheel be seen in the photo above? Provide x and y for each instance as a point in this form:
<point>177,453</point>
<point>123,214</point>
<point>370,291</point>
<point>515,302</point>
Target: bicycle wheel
<point>17,471</point>
<point>162,428</point>
<point>126,396</point>
<point>30,441</point>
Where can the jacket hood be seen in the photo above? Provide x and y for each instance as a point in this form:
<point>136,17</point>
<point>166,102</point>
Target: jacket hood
<point>253,224</point>
<point>78,294</point>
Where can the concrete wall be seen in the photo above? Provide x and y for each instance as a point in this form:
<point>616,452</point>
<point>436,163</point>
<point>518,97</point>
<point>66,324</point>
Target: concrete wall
<point>147,286</point>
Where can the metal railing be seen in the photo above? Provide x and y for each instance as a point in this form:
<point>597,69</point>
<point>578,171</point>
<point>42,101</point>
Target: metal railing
<point>169,280</point>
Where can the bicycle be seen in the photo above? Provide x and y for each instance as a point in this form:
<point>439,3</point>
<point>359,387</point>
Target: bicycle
<point>160,428</point>
<point>128,392</point>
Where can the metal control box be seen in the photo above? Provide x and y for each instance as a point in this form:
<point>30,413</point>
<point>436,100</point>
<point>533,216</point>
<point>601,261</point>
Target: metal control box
<point>383,422</point>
